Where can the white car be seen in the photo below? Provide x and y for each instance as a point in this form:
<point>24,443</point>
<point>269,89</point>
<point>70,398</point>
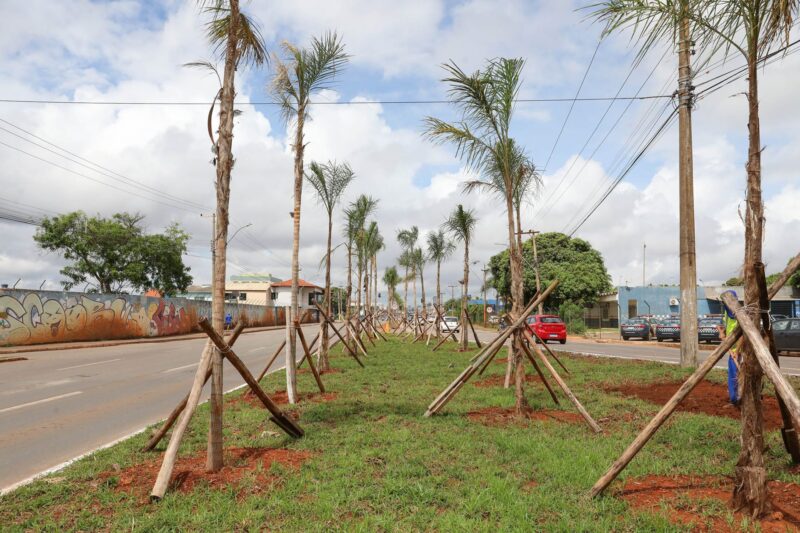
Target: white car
<point>449,323</point>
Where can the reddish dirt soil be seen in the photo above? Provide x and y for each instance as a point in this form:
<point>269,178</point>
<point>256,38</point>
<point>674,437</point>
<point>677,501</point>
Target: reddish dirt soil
<point>708,398</point>
<point>281,398</point>
<point>498,381</point>
<point>191,471</point>
<point>686,497</point>
<point>499,417</point>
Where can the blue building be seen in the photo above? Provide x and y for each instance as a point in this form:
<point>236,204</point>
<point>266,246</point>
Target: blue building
<point>627,302</point>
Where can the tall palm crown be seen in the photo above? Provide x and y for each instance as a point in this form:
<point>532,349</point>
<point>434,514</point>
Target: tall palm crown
<point>461,224</point>
<point>391,279</point>
<point>249,43</point>
<point>526,177</point>
<point>439,247</point>
<point>329,181</point>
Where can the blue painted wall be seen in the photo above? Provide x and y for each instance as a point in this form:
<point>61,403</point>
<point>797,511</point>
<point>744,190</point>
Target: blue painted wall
<point>656,301</point>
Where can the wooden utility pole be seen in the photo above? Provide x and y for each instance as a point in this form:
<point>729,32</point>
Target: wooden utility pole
<point>533,235</point>
<point>688,260</point>
<point>644,262</point>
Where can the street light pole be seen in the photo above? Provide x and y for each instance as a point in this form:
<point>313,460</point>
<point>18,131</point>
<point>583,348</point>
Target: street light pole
<point>644,262</point>
<point>485,270</point>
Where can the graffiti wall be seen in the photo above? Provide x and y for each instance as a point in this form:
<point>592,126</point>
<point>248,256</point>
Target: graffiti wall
<point>36,317</point>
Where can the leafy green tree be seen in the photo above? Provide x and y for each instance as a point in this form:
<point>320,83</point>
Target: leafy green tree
<point>115,254</point>
<point>579,268</point>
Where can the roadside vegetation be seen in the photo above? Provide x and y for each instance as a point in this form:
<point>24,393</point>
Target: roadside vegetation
<point>370,461</point>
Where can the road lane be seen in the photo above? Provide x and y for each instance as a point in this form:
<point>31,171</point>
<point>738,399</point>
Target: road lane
<point>58,405</point>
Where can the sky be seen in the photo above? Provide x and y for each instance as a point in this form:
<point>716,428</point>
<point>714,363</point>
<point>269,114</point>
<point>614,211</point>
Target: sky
<point>156,158</point>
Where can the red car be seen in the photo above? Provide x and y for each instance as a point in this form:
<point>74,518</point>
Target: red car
<point>548,327</point>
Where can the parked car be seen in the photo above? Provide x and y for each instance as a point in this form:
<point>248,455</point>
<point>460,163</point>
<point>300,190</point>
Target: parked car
<point>787,334</point>
<point>668,329</point>
<point>775,318</point>
<point>494,319</point>
<point>449,323</point>
<point>708,329</point>
<point>635,327</point>
<point>548,327</point>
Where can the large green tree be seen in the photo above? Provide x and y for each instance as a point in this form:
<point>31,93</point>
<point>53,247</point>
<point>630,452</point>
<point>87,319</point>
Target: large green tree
<point>579,268</point>
<point>115,254</point>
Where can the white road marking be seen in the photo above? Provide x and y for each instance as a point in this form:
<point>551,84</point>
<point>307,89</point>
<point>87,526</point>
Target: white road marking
<point>37,402</point>
<point>91,364</point>
<point>179,368</point>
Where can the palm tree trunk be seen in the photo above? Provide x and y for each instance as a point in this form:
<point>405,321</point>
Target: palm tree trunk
<point>464,325</point>
<point>414,283</point>
<point>438,298</point>
<point>405,284</point>
<point>291,353</point>
<point>517,297</point>
<point>214,459</point>
<point>750,483</point>
<point>347,313</point>
<point>324,363</point>
<point>422,288</point>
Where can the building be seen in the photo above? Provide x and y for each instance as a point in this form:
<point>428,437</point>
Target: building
<point>309,294</point>
<point>250,289</point>
<point>627,302</point>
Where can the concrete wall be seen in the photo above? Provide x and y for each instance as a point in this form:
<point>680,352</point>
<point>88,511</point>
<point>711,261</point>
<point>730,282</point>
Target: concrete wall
<point>37,317</point>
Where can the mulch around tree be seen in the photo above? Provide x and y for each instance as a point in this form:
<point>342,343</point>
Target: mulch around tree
<point>499,381</point>
<point>691,499</point>
<point>506,416</point>
<point>190,471</point>
<point>708,398</point>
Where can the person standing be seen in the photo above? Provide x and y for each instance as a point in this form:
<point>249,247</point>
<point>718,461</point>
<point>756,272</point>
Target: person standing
<point>729,324</point>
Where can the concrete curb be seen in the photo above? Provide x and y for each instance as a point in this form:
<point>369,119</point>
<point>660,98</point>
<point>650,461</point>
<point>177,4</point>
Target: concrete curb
<point>118,342</point>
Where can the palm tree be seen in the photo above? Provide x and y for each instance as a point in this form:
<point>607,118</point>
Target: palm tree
<point>439,249</point>
<point>304,72</point>
<point>407,239</point>
<point>355,217</point>
<point>237,40</point>
<point>483,142</point>
<point>329,181</point>
<point>751,28</point>
<point>419,258</point>
<point>370,243</point>
<point>391,279</point>
<point>461,225</point>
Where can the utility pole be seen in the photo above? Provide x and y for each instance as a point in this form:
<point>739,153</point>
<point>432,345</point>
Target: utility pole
<point>644,261</point>
<point>533,235</point>
<point>688,260</point>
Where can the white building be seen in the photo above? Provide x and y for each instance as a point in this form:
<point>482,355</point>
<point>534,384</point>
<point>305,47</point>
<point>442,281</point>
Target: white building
<point>308,294</point>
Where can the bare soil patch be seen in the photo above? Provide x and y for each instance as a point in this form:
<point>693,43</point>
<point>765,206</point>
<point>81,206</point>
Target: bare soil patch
<point>692,500</point>
<point>281,398</point>
<point>708,398</point>
<point>500,416</point>
<point>190,471</point>
<point>499,380</point>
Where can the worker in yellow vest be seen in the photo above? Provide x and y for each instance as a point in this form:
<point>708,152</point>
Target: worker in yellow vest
<point>729,324</point>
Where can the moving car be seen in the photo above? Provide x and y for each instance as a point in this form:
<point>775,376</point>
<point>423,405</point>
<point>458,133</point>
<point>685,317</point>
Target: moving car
<point>635,327</point>
<point>708,329</point>
<point>668,329</point>
<point>548,327</point>
<point>787,334</point>
<point>449,323</point>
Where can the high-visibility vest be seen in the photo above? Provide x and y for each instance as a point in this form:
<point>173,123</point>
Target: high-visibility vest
<point>730,325</point>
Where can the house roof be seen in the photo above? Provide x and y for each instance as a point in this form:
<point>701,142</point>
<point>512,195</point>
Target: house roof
<point>300,282</point>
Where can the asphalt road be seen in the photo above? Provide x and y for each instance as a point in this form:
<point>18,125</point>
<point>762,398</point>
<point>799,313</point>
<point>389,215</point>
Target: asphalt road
<point>58,405</point>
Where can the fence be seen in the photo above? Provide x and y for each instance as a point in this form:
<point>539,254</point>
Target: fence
<point>38,317</point>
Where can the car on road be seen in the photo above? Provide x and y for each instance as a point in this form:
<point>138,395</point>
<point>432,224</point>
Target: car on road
<point>787,334</point>
<point>775,318</point>
<point>708,330</point>
<point>635,327</point>
<point>668,329</point>
<point>548,327</point>
<point>449,323</point>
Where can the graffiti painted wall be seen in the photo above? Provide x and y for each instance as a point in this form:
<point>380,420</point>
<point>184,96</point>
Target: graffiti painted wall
<point>36,317</point>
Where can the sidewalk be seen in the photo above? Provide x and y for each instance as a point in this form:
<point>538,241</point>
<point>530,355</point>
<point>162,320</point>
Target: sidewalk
<point>79,345</point>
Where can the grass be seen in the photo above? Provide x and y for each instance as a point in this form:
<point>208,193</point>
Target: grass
<point>377,464</point>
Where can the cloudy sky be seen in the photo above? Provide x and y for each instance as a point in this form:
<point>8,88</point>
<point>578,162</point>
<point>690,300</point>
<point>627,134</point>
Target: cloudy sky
<point>155,158</point>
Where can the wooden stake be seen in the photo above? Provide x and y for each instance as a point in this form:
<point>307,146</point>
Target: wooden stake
<point>539,371</point>
<point>475,335</point>
<point>269,364</point>
<point>173,416</point>
<point>688,386</point>
<point>335,330</point>
<point>310,360</point>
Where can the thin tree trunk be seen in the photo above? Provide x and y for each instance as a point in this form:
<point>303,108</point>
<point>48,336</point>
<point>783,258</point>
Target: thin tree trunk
<point>750,482</point>
<point>438,298</point>
<point>414,284</point>
<point>422,288</point>
<point>324,362</point>
<point>347,312</point>
<point>405,285</point>
<point>464,325</point>
<point>517,297</point>
<point>214,459</point>
<point>291,353</point>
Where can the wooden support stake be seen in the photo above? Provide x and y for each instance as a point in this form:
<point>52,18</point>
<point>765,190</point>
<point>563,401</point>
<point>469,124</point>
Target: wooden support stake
<point>475,335</point>
<point>561,383</point>
<point>541,374</point>
<point>688,386</point>
<point>335,330</point>
<point>310,360</point>
<point>173,416</point>
<point>546,347</point>
<point>269,364</point>
<point>278,416</point>
<point>761,350</point>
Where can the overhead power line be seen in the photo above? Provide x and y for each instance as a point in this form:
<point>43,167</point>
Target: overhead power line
<point>346,103</point>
